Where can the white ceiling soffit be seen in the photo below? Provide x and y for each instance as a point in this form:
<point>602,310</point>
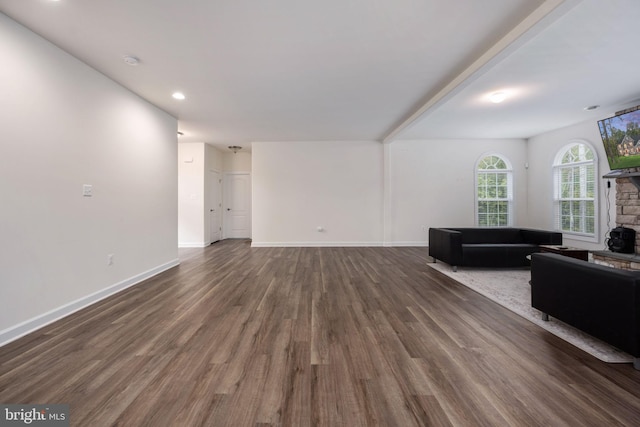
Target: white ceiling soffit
<point>585,56</point>
<point>287,70</point>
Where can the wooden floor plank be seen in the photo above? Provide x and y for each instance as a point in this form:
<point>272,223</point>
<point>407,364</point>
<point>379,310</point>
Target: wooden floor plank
<point>245,336</point>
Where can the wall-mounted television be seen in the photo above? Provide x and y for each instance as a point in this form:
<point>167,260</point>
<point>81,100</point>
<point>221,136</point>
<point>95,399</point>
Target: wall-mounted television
<point>621,139</point>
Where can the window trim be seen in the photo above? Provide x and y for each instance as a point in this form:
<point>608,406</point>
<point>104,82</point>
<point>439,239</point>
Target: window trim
<point>510,185</point>
<point>556,168</point>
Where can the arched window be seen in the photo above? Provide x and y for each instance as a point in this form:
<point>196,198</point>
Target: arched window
<point>494,192</point>
<point>575,192</point>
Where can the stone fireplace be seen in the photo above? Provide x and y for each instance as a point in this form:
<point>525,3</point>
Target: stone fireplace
<point>628,205</point>
<point>627,215</point>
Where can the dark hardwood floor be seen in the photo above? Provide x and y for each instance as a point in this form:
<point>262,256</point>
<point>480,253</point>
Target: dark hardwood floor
<point>237,336</point>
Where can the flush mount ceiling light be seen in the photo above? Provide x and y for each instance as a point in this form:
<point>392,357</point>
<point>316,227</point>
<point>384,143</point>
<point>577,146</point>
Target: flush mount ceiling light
<point>497,97</point>
<point>235,148</point>
<point>178,95</point>
<point>130,60</point>
<point>592,107</point>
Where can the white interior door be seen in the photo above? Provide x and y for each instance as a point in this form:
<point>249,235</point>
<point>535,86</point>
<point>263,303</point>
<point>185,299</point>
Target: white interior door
<point>237,205</point>
<point>215,206</point>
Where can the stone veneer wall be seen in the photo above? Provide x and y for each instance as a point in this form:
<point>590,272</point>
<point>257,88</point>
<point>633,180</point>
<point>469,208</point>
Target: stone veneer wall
<point>627,215</point>
<point>610,261</point>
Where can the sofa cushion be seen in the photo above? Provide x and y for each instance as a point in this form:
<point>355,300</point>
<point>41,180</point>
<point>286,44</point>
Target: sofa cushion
<point>490,235</point>
<point>497,254</point>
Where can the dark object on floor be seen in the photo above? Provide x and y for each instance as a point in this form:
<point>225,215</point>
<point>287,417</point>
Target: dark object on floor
<point>622,239</point>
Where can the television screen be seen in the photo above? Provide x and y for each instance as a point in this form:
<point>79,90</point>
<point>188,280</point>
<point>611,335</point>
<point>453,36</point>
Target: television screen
<point>621,139</point>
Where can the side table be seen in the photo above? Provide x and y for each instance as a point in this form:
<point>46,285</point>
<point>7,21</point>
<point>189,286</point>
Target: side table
<point>578,253</point>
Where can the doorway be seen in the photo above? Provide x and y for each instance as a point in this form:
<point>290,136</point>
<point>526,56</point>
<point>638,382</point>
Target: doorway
<point>237,205</point>
<point>215,206</point>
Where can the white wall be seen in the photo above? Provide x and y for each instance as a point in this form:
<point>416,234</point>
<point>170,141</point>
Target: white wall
<point>64,125</point>
<point>191,192</point>
<point>215,158</point>
<point>342,187</point>
<point>299,186</point>
<point>541,152</point>
<point>237,162</point>
<point>432,184</point>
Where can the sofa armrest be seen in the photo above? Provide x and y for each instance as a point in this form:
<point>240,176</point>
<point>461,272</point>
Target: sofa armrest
<point>541,237</point>
<point>445,245</point>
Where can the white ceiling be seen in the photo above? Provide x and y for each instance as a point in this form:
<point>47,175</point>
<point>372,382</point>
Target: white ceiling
<point>295,70</point>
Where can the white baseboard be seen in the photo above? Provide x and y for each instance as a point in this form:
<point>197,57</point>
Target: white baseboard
<point>255,244</point>
<point>417,243</point>
<point>14,332</point>
<point>193,244</point>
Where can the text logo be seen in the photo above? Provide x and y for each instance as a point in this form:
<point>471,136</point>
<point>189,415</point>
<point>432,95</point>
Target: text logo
<point>34,415</point>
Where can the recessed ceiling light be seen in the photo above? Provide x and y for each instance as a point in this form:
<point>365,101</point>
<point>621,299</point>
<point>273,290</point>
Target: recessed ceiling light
<point>592,107</point>
<point>130,60</point>
<point>497,97</point>
<point>178,95</point>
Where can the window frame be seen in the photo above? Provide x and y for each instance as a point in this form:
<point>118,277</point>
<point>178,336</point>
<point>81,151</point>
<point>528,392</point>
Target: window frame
<point>558,167</point>
<point>510,185</point>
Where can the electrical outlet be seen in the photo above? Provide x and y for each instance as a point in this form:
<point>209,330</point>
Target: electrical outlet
<point>110,259</point>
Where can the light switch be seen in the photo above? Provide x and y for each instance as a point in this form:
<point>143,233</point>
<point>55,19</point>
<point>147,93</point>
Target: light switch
<point>87,190</point>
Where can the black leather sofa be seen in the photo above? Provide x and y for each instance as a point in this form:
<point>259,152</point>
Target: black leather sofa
<point>488,247</point>
<point>599,300</point>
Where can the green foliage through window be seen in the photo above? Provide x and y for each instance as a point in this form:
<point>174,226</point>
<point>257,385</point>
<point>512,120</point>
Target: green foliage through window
<point>576,190</point>
<point>493,192</point>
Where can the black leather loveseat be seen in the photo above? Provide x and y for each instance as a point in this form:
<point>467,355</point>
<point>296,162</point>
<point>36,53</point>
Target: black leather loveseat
<point>488,247</point>
<point>599,300</point>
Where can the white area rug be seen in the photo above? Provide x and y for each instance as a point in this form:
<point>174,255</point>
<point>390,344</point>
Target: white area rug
<point>511,289</point>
